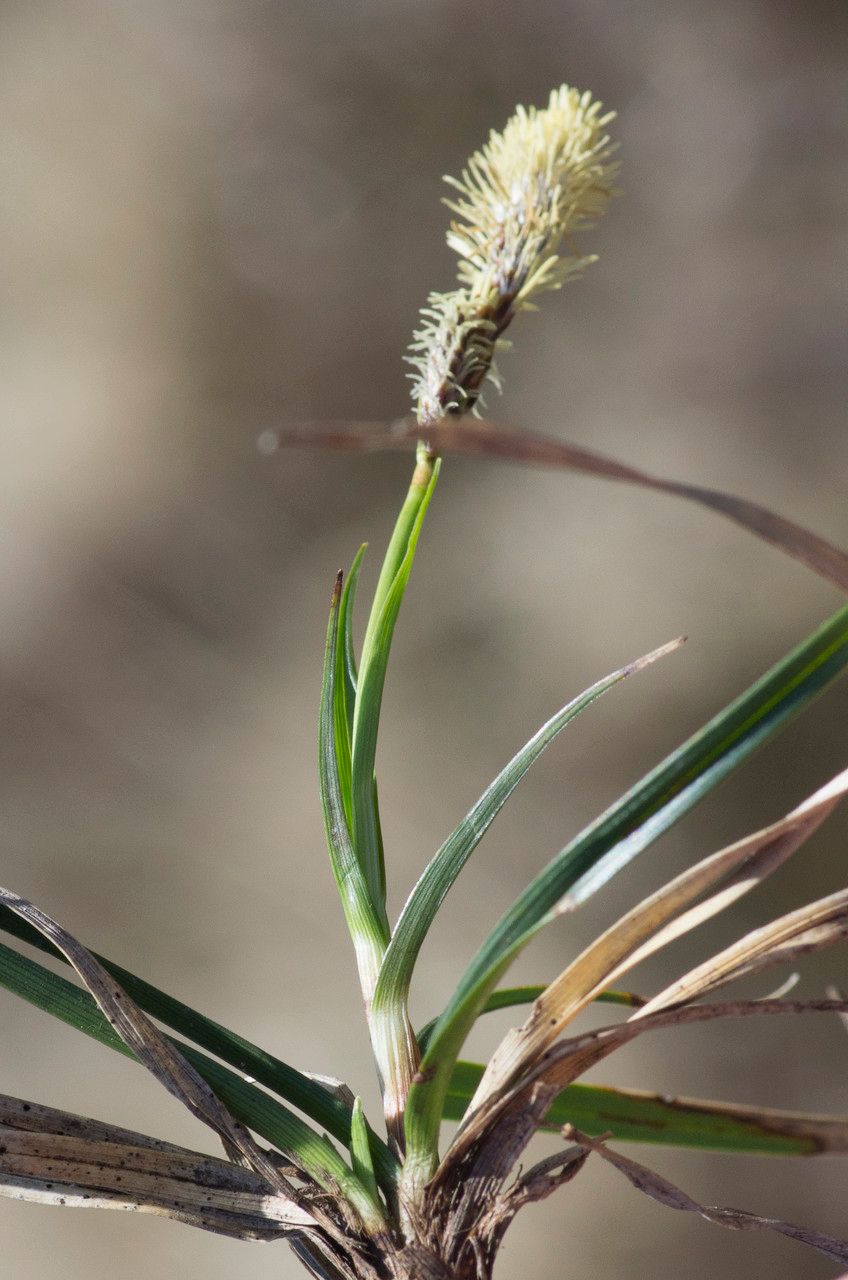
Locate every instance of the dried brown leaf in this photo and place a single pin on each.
(32, 1117)
(651, 925)
(565, 1062)
(809, 928)
(537, 1183)
(53, 1157)
(665, 1192)
(790, 953)
(477, 438)
(544, 1177)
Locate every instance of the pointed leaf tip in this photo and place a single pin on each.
(649, 659)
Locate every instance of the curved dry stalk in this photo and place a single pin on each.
(652, 925)
(477, 438)
(569, 1059)
(665, 1192)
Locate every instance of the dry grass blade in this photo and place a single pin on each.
(52, 1157)
(563, 1063)
(539, 1182)
(477, 438)
(153, 1050)
(816, 925)
(545, 1177)
(646, 928)
(665, 1192)
(789, 953)
(33, 1117)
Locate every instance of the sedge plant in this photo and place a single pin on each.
(386, 1197)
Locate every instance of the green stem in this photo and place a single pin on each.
(366, 823)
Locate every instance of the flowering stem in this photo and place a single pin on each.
(365, 811)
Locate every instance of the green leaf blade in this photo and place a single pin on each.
(392, 1038)
(344, 696)
(365, 926)
(444, 868)
(634, 1116)
(360, 1150)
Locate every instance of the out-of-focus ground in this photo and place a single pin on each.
(217, 217)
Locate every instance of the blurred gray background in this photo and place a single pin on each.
(218, 217)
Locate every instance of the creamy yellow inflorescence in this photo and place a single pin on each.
(548, 174)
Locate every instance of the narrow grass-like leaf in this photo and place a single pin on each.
(360, 1150)
(631, 1115)
(309, 1095)
(372, 674)
(346, 624)
(444, 868)
(364, 926)
(344, 698)
(608, 844)
(563, 1063)
(165, 1061)
(153, 1050)
(512, 997)
(248, 1104)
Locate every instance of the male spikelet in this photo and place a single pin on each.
(546, 175)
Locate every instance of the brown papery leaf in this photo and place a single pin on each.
(152, 1049)
(477, 438)
(53, 1157)
(789, 953)
(816, 925)
(565, 1062)
(645, 929)
(665, 1192)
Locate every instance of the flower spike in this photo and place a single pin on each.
(548, 174)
